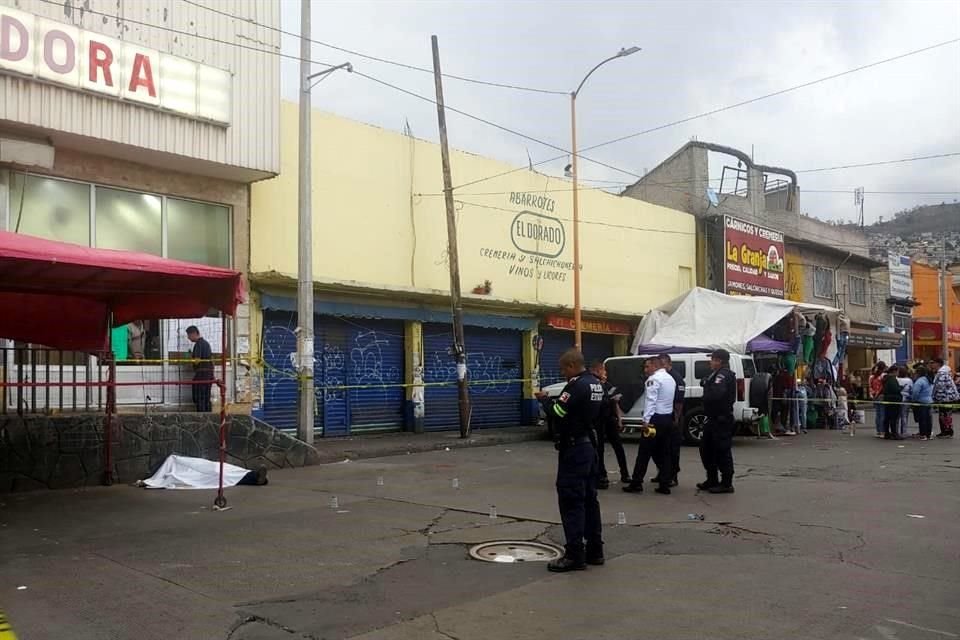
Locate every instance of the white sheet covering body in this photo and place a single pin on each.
(706, 319)
(181, 472)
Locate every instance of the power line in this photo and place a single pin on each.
(367, 56)
(882, 162)
(492, 124)
(152, 25)
(593, 222)
(736, 105)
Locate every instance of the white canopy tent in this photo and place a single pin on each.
(707, 320)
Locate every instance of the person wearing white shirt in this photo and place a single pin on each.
(659, 394)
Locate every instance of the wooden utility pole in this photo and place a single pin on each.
(459, 348)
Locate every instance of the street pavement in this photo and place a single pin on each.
(827, 537)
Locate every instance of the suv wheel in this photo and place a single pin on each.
(693, 426)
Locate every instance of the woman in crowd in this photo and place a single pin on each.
(944, 392)
(922, 398)
(890, 394)
(906, 389)
(875, 387)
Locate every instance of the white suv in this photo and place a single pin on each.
(627, 375)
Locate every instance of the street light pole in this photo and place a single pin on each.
(304, 364)
(577, 329)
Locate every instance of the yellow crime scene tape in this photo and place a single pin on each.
(6, 631)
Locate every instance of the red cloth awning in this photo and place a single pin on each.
(61, 295)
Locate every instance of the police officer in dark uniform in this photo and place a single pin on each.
(719, 394)
(608, 427)
(575, 413)
(676, 436)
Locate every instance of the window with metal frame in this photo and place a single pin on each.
(857, 293)
(823, 283)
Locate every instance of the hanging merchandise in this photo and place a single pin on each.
(808, 339)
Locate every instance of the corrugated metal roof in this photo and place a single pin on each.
(252, 140)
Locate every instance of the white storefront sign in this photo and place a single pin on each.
(87, 61)
(901, 279)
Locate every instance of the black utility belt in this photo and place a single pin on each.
(572, 440)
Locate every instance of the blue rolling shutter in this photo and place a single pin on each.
(493, 355)
(596, 346)
(358, 352)
(279, 375)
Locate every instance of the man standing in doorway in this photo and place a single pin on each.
(202, 370)
(576, 412)
(660, 392)
(719, 394)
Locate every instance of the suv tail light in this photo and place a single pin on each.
(741, 389)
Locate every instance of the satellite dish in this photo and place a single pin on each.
(712, 197)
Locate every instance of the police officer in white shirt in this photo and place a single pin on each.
(657, 431)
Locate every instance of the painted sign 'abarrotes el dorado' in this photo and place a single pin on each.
(83, 60)
(753, 259)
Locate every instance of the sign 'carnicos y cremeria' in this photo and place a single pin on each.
(535, 233)
(63, 54)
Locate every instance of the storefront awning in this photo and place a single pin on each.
(63, 295)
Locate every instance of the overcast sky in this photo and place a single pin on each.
(697, 56)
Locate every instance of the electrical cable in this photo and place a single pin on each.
(367, 56)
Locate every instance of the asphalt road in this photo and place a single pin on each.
(827, 537)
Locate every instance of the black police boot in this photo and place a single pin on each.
(569, 562)
(624, 478)
(595, 555)
(633, 488)
(723, 488)
(676, 481)
(664, 489)
(708, 484)
(603, 483)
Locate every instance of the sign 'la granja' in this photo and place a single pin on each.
(65, 55)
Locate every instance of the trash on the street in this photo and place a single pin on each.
(695, 516)
(456, 483)
(915, 515)
(22, 588)
(379, 481)
(334, 503)
(621, 517)
(493, 512)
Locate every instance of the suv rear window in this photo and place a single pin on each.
(749, 369)
(701, 369)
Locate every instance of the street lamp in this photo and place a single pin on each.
(305, 393)
(576, 201)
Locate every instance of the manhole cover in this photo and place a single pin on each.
(513, 551)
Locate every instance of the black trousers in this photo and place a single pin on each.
(201, 395)
(716, 449)
(924, 420)
(610, 433)
(659, 448)
(577, 499)
(891, 420)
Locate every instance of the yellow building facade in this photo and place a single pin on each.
(382, 280)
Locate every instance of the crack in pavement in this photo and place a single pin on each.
(436, 626)
(251, 618)
(151, 575)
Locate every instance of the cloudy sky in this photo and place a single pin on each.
(697, 56)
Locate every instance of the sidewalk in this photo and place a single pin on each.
(398, 444)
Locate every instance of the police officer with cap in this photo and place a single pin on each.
(575, 413)
(719, 394)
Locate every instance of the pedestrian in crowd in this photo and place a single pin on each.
(843, 412)
(719, 394)
(803, 394)
(609, 427)
(202, 370)
(676, 439)
(890, 395)
(658, 428)
(944, 392)
(922, 397)
(906, 391)
(576, 412)
(875, 388)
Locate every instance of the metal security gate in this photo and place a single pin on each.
(279, 372)
(596, 346)
(368, 354)
(494, 365)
